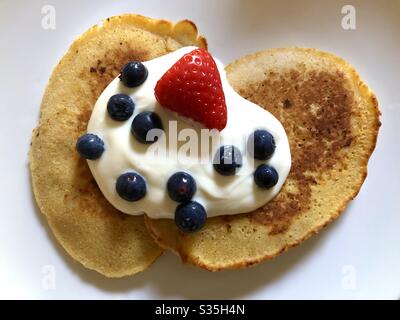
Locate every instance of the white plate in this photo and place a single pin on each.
(358, 256)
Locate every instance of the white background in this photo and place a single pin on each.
(358, 256)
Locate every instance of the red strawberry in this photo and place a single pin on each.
(192, 88)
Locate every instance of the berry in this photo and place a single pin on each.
(227, 160)
(192, 87)
(120, 107)
(133, 74)
(181, 187)
(131, 186)
(266, 176)
(143, 123)
(190, 216)
(261, 144)
(90, 146)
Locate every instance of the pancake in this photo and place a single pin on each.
(85, 224)
(332, 121)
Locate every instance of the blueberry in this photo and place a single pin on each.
(227, 160)
(181, 187)
(143, 123)
(90, 146)
(266, 176)
(190, 216)
(120, 107)
(133, 74)
(261, 144)
(131, 186)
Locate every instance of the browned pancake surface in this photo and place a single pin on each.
(86, 225)
(331, 119)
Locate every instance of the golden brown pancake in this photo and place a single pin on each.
(85, 224)
(332, 121)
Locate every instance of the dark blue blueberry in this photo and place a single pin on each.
(181, 187)
(120, 107)
(261, 145)
(90, 146)
(131, 186)
(190, 216)
(143, 123)
(133, 74)
(266, 176)
(227, 160)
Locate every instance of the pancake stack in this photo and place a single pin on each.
(330, 116)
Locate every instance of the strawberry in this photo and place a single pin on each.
(192, 87)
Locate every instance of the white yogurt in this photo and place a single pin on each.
(220, 195)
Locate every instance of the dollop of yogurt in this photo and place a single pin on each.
(220, 195)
